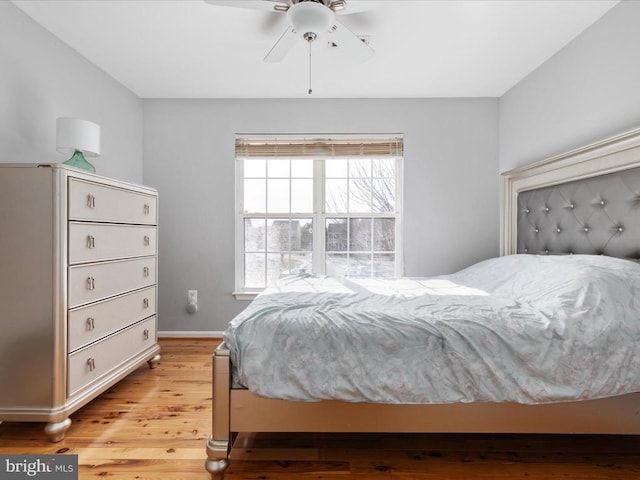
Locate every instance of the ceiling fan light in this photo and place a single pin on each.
(313, 17)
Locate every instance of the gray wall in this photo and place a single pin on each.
(450, 185)
(41, 79)
(588, 91)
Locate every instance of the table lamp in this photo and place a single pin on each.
(79, 138)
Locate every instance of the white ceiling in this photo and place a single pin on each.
(424, 48)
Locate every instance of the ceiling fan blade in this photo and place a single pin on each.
(282, 46)
(359, 21)
(268, 5)
(350, 43)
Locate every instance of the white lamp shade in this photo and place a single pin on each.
(312, 17)
(75, 134)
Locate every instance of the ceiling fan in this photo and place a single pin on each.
(310, 20)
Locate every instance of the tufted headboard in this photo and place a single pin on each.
(599, 215)
(586, 201)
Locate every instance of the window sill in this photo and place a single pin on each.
(246, 296)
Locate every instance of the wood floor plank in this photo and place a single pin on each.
(154, 424)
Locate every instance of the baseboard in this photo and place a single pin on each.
(188, 334)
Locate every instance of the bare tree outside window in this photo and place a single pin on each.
(368, 187)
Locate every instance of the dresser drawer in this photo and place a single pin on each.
(97, 281)
(98, 359)
(90, 323)
(89, 242)
(103, 203)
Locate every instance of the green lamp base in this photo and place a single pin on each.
(79, 161)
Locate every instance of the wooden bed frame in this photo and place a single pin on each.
(237, 411)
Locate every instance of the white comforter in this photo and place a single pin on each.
(522, 328)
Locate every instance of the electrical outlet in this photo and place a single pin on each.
(192, 296)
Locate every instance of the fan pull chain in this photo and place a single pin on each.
(310, 90)
(310, 37)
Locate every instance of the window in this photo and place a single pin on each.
(325, 206)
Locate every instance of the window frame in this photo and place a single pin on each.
(318, 216)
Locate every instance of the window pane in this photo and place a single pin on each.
(255, 168)
(254, 229)
(384, 265)
(300, 263)
(301, 196)
(360, 265)
(301, 235)
(254, 273)
(277, 263)
(336, 196)
(384, 168)
(278, 168)
(278, 235)
(255, 196)
(360, 195)
(302, 168)
(360, 234)
(384, 195)
(384, 234)
(278, 196)
(335, 168)
(337, 264)
(336, 235)
(360, 168)
(280, 245)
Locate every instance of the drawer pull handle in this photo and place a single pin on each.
(147, 241)
(145, 334)
(91, 283)
(147, 209)
(145, 303)
(90, 324)
(145, 272)
(91, 201)
(91, 241)
(91, 364)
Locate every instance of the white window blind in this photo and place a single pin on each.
(373, 146)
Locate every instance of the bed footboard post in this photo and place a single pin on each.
(219, 443)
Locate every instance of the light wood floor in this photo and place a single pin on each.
(154, 425)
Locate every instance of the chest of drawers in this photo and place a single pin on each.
(78, 280)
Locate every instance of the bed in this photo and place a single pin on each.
(567, 214)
